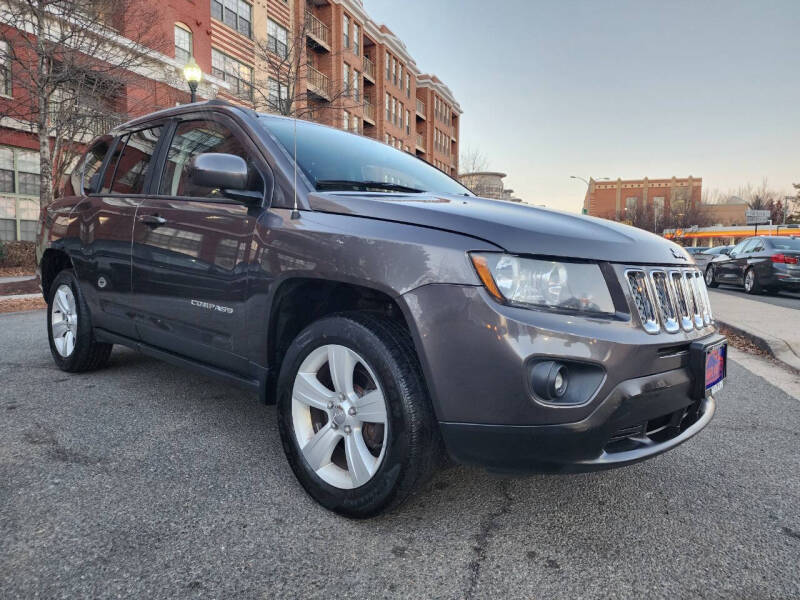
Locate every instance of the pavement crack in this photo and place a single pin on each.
(488, 527)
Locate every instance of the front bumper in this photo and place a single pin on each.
(476, 356)
(639, 420)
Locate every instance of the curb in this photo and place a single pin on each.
(20, 297)
(777, 349)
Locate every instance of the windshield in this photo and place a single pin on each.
(785, 243)
(336, 160)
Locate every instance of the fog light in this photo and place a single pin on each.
(550, 380)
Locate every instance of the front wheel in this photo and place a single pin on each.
(710, 280)
(354, 415)
(69, 328)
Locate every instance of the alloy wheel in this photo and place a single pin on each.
(339, 416)
(709, 276)
(749, 279)
(64, 321)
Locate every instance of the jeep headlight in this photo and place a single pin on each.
(528, 282)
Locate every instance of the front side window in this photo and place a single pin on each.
(236, 14)
(237, 74)
(198, 137)
(134, 161)
(277, 39)
(183, 43)
(332, 159)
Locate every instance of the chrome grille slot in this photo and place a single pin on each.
(666, 300)
(669, 299)
(643, 298)
(682, 300)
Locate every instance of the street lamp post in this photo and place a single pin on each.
(587, 183)
(193, 75)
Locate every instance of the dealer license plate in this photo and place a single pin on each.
(716, 368)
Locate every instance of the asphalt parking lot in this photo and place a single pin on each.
(785, 299)
(147, 481)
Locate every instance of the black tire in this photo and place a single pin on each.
(412, 447)
(88, 354)
(756, 287)
(710, 275)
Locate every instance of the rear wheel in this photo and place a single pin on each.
(751, 284)
(710, 281)
(354, 416)
(69, 328)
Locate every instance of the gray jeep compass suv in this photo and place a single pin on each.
(394, 317)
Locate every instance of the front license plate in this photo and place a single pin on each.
(716, 367)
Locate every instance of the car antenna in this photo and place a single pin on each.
(295, 212)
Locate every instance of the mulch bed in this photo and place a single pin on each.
(742, 343)
(16, 271)
(9, 306)
(31, 286)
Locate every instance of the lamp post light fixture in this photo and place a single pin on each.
(193, 75)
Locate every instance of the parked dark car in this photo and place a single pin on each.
(693, 250)
(391, 314)
(701, 259)
(759, 264)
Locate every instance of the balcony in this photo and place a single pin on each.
(420, 109)
(318, 84)
(318, 32)
(369, 112)
(420, 142)
(369, 70)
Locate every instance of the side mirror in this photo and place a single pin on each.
(223, 171)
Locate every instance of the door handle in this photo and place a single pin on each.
(153, 220)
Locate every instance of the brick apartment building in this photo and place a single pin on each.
(357, 75)
(613, 199)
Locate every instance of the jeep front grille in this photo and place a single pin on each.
(669, 298)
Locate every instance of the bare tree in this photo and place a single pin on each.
(472, 160)
(68, 61)
(682, 213)
(293, 86)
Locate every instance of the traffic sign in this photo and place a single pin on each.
(757, 217)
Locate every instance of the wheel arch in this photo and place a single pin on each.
(53, 261)
(297, 302)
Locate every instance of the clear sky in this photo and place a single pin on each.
(616, 88)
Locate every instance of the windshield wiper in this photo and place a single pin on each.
(346, 184)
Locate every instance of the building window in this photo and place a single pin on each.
(408, 122)
(345, 120)
(401, 76)
(399, 114)
(388, 67)
(346, 31)
(5, 68)
(394, 70)
(277, 96)
(19, 172)
(408, 84)
(356, 85)
(394, 111)
(238, 75)
(183, 43)
(236, 14)
(354, 124)
(277, 39)
(388, 107)
(346, 79)
(630, 203)
(356, 39)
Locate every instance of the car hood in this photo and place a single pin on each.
(516, 228)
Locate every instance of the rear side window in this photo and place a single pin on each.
(91, 167)
(198, 137)
(134, 161)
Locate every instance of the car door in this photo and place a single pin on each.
(115, 175)
(191, 249)
(724, 268)
(743, 260)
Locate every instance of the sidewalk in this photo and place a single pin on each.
(775, 327)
